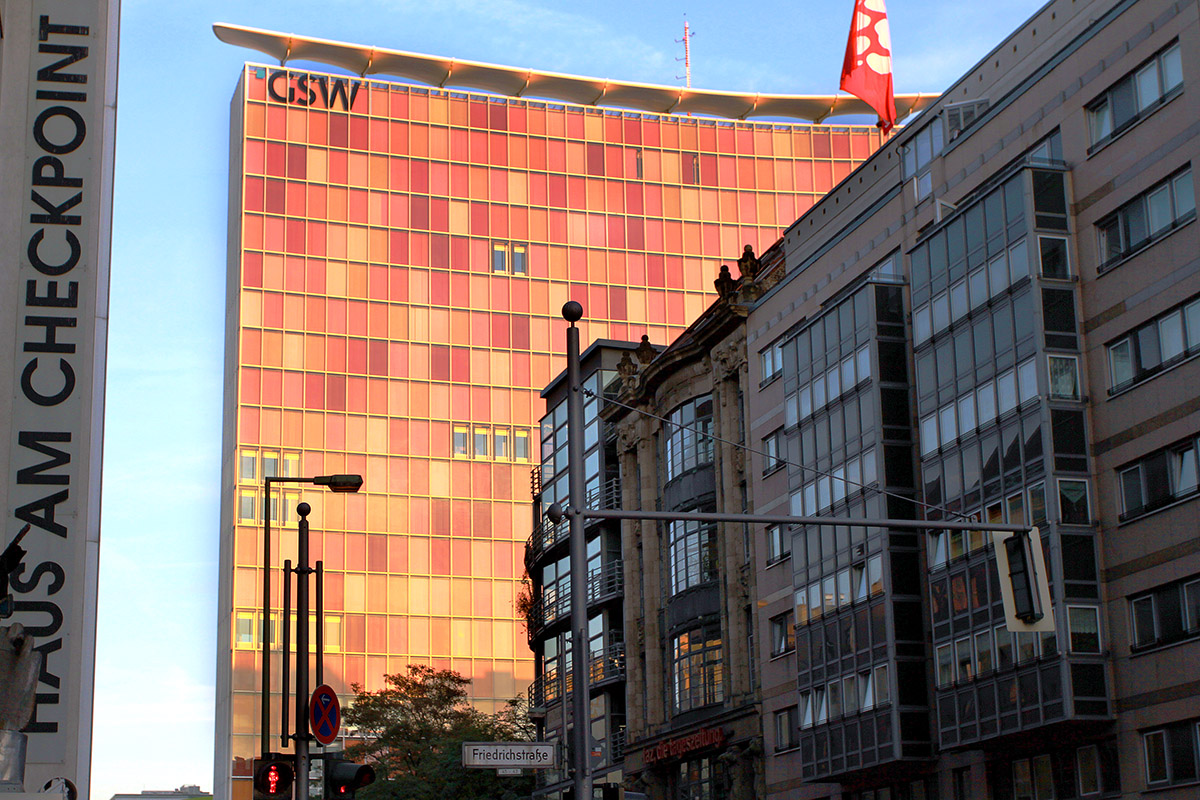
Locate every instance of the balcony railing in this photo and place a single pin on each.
(535, 481)
(544, 536)
(548, 610)
(608, 664)
(607, 495)
(618, 745)
(606, 581)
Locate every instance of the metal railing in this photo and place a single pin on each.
(606, 581)
(607, 495)
(608, 664)
(617, 751)
(543, 537)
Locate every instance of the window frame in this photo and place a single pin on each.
(1095, 615)
(779, 544)
(1161, 733)
(782, 628)
(1103, 126)
(1114, 242)
(1133, 340)
(787, 729)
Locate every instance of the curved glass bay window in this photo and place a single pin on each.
(689, 442)
(696, 669)
(693, 554)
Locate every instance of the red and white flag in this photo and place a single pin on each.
(867, 70)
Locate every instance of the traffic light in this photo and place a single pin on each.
(344, 778)
(1027, 601)
(273, 777)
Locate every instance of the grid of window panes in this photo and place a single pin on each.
(402, 263)
(992, 344)
(554, 444)
(845, 381)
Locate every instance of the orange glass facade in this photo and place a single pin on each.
(398, 266)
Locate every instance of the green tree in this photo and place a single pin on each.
(412, 733)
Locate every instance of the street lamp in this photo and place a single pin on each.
(335, 483)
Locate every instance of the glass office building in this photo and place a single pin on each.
(398, 258)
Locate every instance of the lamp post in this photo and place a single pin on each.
(336, 483)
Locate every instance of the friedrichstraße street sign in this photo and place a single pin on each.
(509, 755)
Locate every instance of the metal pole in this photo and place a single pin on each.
(301, 735)
(572, 312)
(265, 723)
(320, 623)
(285, 691)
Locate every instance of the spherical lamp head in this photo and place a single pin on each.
(572, 311)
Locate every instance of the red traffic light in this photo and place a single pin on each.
(344, 778)
(273, 778)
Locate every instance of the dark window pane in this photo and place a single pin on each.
(1123, 100)
(1068, 432)
(1058, 308)
(1002, 331)
(1054, 257)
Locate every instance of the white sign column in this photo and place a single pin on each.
(57, 124)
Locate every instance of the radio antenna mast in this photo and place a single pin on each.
(687, 54)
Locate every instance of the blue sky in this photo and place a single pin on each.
(155, 660)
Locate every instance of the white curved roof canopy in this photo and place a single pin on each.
(455, 73)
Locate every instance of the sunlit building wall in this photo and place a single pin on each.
(398, 259)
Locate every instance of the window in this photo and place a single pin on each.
(772, 362)
(787, 729)
(247, 500)
(1142, 613)
(481, 442)
(499, 257)
(1053, 257)
(1064, 377)
(245, 633)
(500, 443)
(783, 634)
(1073, 505)
(1145, 218)
(270, 464)
(959, 116)
(291, 465)
(520, 445)
(1166, 614)
(1033, 779)
(1170, 753)
(1154, 346)
(461, 433)
(1155, 746)
(918, 155)
(1135, 95)
(1159, 479)
(1083, 623)
(693, 554)
(519, 266)
(945, 665)
(247, 466)
(699, 779)
(689, 441)
(773, 447)
(696, 669)
(779, 543)
(1087, 768)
